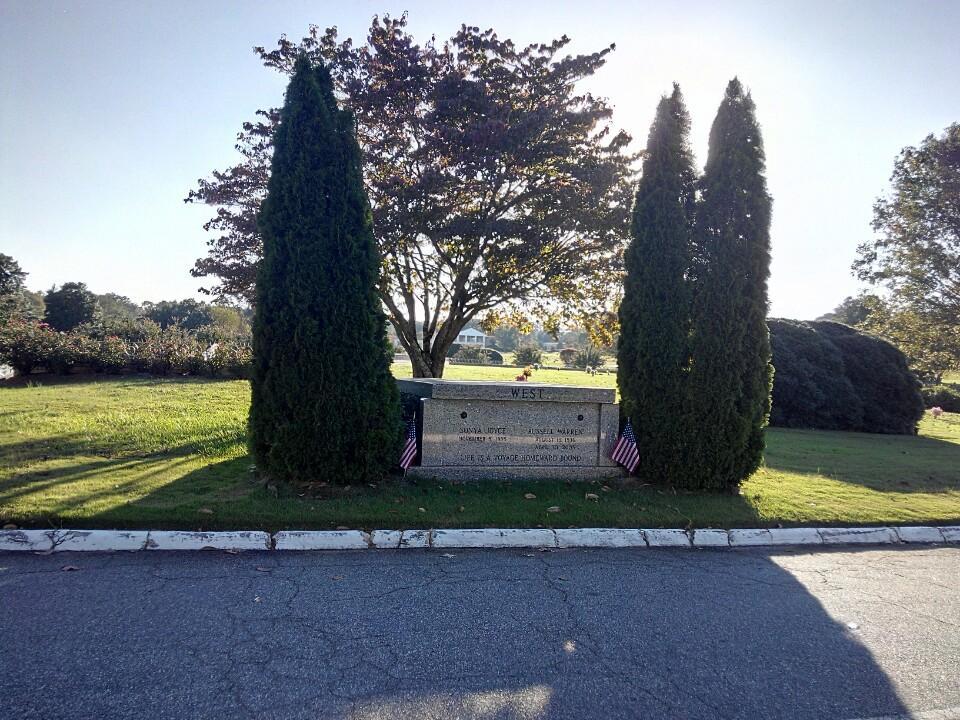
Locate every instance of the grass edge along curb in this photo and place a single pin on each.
(49, 541)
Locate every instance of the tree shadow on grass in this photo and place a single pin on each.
(888, 463)
(153, 491)
(212, 443)
(179, 489)
(122, 380)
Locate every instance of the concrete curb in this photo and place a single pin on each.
(48, 541)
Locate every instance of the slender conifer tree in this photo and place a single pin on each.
(653, 352)
(324, 403)
(728, 394)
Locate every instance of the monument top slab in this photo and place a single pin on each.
(504, 390)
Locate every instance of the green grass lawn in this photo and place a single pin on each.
(169, 453)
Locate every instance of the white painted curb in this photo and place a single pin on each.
(667, 538)
(99, 540)
(46, 541)
(26, 540)
(709, 537)
(919, 534)
(396, 539)
(858, 536)
(599, 537)
(321, 540)
(184, 540)
(951, 533)
(753, 537)
(494, 538)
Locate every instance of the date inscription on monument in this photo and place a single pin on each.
(485, 433)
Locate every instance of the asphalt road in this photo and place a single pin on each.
(482, 634)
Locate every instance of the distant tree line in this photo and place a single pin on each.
(914, 260)
(73, 305)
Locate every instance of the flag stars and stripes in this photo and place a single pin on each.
(409, 453)
(626, 452)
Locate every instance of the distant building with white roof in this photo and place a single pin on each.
(472, 336)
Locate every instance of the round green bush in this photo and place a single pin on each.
(567, 356)
(810, 385)
(833, 377)
(477, 355)
(890, 392)
(528, 355)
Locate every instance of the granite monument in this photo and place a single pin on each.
(482, 430)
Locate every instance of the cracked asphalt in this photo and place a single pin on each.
(633, 633)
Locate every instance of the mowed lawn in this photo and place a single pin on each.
(169, 453)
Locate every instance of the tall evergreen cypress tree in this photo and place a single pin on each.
(653, 352)
(728, 393)
(324, 402)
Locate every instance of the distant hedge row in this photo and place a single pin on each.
(27, 346)
(833, 377)
(946, 397)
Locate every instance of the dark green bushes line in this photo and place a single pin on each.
(946, 397)
(833, 377)
(139, 347)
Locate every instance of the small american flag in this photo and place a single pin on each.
(410, 447)
(626, 452)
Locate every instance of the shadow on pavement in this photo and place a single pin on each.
(430, 634)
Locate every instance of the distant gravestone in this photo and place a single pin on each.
(471, 430)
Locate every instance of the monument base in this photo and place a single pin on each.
(514, 472)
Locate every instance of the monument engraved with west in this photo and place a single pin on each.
(481, 430)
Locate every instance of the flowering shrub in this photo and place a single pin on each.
(231, 359)
(28, 346)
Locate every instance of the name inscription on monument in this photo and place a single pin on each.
(481, 432)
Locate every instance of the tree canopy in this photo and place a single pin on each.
(189, 314)
(70, 305)
(493, 180)
(915, 254)
(12, 276)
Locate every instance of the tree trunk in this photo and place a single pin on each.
(429, 365)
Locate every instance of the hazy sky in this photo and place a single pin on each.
(110, 111)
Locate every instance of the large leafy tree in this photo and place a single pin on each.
(915, 253)
(324, 404)
(70, 305)
(653, 352)
(12, 276)
(116, 307)
(493, 180)
(932, 348)
(728, 392)
(189, 314)
(853, 310)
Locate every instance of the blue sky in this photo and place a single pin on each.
(110, 111)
